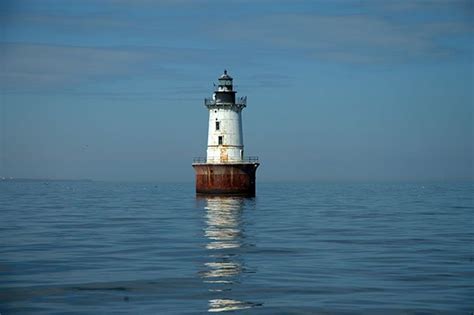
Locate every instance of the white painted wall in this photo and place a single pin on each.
(230, 119)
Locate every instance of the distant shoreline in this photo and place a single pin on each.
(42, 180)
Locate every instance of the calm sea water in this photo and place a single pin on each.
(297, 248)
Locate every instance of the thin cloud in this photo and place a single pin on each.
(38, 66)
(351, 38)
(35, 68)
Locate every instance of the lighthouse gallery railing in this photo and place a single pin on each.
(248, 159)
(241, 100)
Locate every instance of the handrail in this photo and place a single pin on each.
(204, 160)
(239, 101)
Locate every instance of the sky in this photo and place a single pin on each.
(337, 90)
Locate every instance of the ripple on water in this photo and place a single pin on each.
(300, 248)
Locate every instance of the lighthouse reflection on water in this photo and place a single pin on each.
(226, 243)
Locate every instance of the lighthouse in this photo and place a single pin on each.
(225, 170)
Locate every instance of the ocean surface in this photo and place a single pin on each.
(296, 248)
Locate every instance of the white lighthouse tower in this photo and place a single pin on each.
(225, 140)
(225, 170)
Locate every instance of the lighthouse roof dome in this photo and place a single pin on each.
(225, 76)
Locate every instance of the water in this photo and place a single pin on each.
(299, 248)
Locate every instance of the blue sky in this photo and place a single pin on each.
(337, 90)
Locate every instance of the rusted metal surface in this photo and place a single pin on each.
(224, 155)
(226, 179)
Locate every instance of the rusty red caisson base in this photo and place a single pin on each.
(225, 170)
(226, 179)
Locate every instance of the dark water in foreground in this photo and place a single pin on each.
(96, 247)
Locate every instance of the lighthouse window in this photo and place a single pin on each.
(220, 140)
(218, 125)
